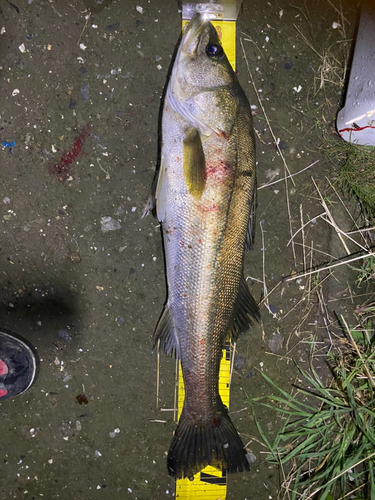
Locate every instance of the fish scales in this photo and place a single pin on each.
(204, 199)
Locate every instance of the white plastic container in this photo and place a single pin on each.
(356, 121)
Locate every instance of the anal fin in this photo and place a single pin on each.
(165, 333)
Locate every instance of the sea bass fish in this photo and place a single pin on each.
(205, 202)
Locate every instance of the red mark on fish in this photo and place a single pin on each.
(61, 170)
(218, 169)
(223, 134)
(213, 207)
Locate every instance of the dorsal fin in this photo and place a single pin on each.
(245, 311)
(251, 226)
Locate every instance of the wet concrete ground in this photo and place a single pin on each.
(90, 87)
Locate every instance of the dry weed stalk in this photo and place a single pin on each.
(330, 69)
(286, 168)
(327, 216)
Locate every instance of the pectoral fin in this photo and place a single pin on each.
(194, 163)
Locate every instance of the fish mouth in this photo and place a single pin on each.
(198, 32)
(192, 35)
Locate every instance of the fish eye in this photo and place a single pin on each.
(214, 50)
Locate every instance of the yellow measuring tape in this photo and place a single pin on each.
(210, 483)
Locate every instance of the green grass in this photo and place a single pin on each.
(357, 173)
(367, 271)
(367, 310)
(326, 445)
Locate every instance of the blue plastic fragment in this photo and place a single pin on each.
(85, 92)
(9, 145)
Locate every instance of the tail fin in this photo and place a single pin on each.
(194, 446)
